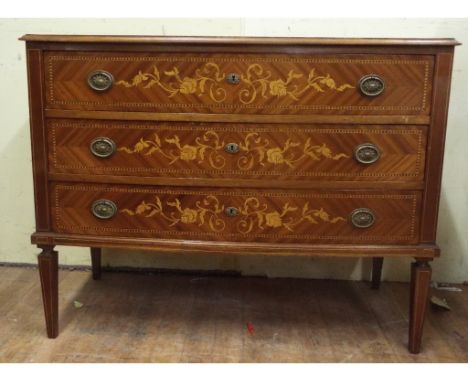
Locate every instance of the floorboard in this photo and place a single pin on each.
(134, 317)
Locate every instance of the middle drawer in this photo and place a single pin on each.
(233, 151)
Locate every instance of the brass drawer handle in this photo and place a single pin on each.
(231, 211)
(362, 218)
(102, 147)
(104, 209)
(367, 153)
(372, 85)
(100, 80)
(233, 78)
(231, 148)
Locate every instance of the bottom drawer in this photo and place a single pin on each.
(237, 215)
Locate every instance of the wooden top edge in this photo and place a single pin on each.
(241, 40)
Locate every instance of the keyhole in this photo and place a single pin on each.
(232, 148)
(233, 78)
(231, 211)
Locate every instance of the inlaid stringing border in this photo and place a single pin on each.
(426, 63)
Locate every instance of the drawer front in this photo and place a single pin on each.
(228, 151)
(237, 215)
(240, 83)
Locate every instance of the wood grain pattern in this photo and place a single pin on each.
(420, 280)
(268, 85)
(269, 152)
(38, 138)
(197, 317)
(48, 272)
(242, 118)
(176, 246)
(435, 148)
(273, 183)
(241, 40)
(309, 217)
(296, 114)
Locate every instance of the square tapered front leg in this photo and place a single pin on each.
(420, 279)
(48, 272)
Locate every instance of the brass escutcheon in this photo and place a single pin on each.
(233, 78)
(231, 211)
(231, 148)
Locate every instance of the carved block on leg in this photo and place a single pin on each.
(377, 263)
(48, 272)
(420, 280)
(96, 262)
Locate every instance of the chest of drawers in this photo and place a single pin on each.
(275, 146)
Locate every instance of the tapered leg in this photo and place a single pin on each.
(48, 272)
(377, 263)
(420, 279)
(96, 262)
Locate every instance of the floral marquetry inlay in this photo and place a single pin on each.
(206, 147)
(206, 212)
(254, 149)
(259, 81)
(259, 150)
(256, 214)
(254, 83)
(205, 81)
(253, 215)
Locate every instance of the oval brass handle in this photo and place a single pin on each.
(362, 218)
(102, 147)
(367, 153)
(231, 148)
(233, 78)
(231, 211)
(100, 80)
(371, 85)
(104, 209)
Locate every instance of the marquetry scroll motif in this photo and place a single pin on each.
(206, 211)
(205, 81)
(256, 214)
(258, 150)
(252, 213)
(206, 147)
(255, 149)
(259, 82)
(255, 82)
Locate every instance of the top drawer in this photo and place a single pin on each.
(240, 83)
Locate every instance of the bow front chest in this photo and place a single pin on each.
(275, 146)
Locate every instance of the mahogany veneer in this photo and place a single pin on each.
(271, 84)
(278, 146)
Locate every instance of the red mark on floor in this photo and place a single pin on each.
(250, 328)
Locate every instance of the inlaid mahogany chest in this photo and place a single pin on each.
(291, 146)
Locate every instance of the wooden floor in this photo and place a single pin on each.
(129, 317)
